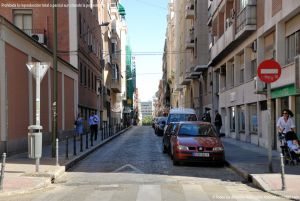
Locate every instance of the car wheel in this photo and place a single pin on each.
(164, 149)
(175, 162)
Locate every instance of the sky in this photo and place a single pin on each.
(147, 22)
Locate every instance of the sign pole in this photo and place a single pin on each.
(269, 71)
(270, 124)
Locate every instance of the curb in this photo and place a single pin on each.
(45, 183)
(256, 181)
(240, 171)
(75, 160)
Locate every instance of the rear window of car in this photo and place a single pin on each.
(197, 130)
(182, 117)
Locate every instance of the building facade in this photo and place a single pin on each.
(239, 35)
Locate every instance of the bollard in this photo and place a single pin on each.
(74, 145)
(2, 171)
(81, 144)
(282, 172)
(86, 140)
(57, 152)
(67, 147)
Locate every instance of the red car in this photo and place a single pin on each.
(196, 141)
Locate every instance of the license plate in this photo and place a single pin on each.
(201, 154)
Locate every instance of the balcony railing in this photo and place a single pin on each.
(190, 39)
(189, 11)
(246, 19)
(116, 85)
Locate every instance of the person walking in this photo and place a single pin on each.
(218, 122)
(96, 120)
(79, 125)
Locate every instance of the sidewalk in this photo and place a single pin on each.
(20, 176)
(251, 162)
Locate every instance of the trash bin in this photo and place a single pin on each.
(35, 141)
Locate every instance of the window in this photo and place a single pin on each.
(253, 68)
(95, 83)
(232, 118)
(292, 46)
(242, 68)
(242, 118)
(253, 118)
(115, 72)
(89, 78)
(231, 74)
(243, 4)
(84, 75)
(23, 20)
(81, 74)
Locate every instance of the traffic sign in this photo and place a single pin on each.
(269, 71)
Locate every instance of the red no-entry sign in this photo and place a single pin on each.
(269, 71)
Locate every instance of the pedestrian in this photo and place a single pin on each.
(218, 122)
(285, 123)
(206, 116)
(93, 122)
(79, 125)
(96, 123)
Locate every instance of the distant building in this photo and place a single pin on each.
(146, 108)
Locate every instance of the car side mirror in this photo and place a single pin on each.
(222, 135)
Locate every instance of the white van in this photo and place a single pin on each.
(181, 114)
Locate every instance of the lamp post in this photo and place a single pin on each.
(38, 70)
(54, 104)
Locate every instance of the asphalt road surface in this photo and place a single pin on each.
(133, 167)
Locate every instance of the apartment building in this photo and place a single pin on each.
(146, 109)
(243, 33)
(86, 44)
(17, 88)
(219, 66)
(186, 55)
(114, 79)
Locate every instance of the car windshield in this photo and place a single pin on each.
(182, 117)
(196, 130)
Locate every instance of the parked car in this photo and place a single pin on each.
(154, 122)
(181, 114)
(196, 142)
(160, 125)
(166, 145)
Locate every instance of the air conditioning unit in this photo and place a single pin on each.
(38, 37)
(254, 46)
(259, 86)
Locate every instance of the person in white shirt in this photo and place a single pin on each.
(285, 123)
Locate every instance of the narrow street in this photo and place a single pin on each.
(133, 167)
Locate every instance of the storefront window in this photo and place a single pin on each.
(242, 118)
(253, 118)
(297, 115)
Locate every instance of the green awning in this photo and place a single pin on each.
(121, 10)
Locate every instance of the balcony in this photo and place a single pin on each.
(246, 21)
(114, 58)
(194, 74)
(190, 11)
(115, 85)
(190, 40)
(185, 79)
(37, 34)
